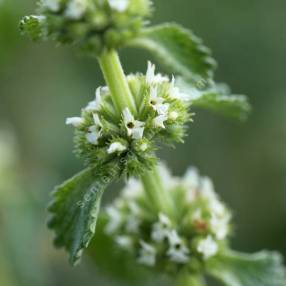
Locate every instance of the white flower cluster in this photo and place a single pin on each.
(160, 105)
(194, 235)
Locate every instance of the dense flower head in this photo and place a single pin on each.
(102, 134)
(197, 231)
(88, 24)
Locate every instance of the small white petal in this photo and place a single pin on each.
(116, 147)
(124, 241)
(76, 9)
(179, 254)
(174, 238)
(176, 93)
(207, 189)
(150, 74)
(115, 220)
(191, 182)
(96, 120)
(95, 105)
(161, 229)
(219, 227)
(207, 247)
(74, 121)
(159, 121)
(151, 78)
(92, 138)
(133, 189)
(147, 254)
(137, 133)
(163, 109)
(52, 5)
(119, 5)
(132, 225)
(127, 116)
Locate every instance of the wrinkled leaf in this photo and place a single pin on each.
(217, 98)
(75, 207)
(179, 50)
(239, 269)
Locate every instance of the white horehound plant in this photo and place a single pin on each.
(179, 227)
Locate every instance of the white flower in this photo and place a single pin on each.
(132, 190)
(217, 208)
(207, 189)
(161, 229)
(133, 224)
(219, 227)
(76, 9)
(151, 78)
(115, 220)
(177, 252)
(119, 5)
(135, 128)
(168, 180)
(174, 238)
(94, 131)
(176, 93)
(163, 109)
(207, 247)
(159, 121)
(116, 147)
(155, 100)
(147, 255)
(75, 121)
(52, 5)
(124, 241)
(96, 103)
(191, 181)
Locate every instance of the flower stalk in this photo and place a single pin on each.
(116, 81)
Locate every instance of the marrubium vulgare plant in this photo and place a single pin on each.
(175, 226)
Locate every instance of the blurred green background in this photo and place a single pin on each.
(41, 85)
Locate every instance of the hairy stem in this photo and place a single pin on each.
(122, 98)
(156, 192)
(116, 81)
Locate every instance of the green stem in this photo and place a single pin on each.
(187, 279)
(122, 98)
(156, 192)
(116, 81)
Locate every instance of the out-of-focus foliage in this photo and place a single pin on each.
(40, 86)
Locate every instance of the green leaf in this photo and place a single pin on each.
(179, 50)
(219, 99)
(75, 207)
(239, 269)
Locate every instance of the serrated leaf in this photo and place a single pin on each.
(74, 210)
(239, 269)
(179, 50)
(217, 98)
